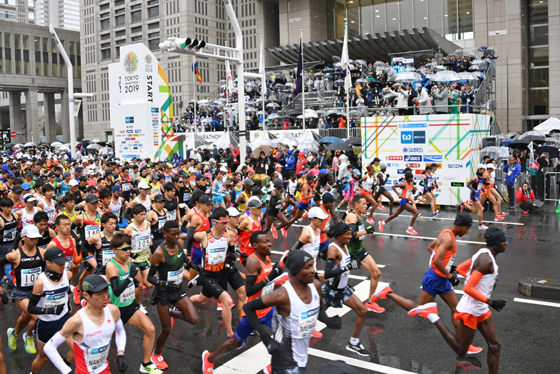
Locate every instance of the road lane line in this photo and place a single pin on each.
(536, 302)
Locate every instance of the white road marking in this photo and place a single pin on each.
(255, 359)
(281, 253)
(536, 302)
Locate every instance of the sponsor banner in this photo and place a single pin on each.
(394, 158)
(433, 158)
(410, 158)
(413, 166)
(279, 133)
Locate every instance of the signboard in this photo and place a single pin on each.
(141, 105)
(5, 136)
(451, 142)
(279, 133)
(13, 134)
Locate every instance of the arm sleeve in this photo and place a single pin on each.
(118, 289)
(3, 261)
(152, 275)
(184, 227)
(120, 336)
(190, 238)
(32, 307)
(51, 351)
(469, 287)
(297, 245)
(464, 267)
(354, 229)
(250, 287)
(470, 186)
(250, 312)
(329, 272)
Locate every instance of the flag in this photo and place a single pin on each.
(262, 71)
(229, 78)
(345, 64)
(531, 154)
(195, 70)
(299, 74)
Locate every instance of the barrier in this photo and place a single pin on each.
(551, 186)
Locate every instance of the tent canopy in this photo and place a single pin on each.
(193, 141)
(265, 135)
(549, 125)
(309, 135)
(225, 140)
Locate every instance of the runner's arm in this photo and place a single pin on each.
(253, 268)
(73, 325)
(464, 267)
(445, 244)
(482, 266)
(277, 298)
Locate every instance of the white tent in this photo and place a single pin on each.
(265, 135)
(309, 135)
(193, 141)
(225, 140)
(549, 125)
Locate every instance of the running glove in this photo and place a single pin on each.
(370, 230)
(121, 364)
(133, 270)
(498, 305)
(354, 264)
(454, 280)
(88, 266)
(276, 272)
(273, 347)
(5, 299)
(56, 310)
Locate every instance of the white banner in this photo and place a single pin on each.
(77, 104)
(279, 133)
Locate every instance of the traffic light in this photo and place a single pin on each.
(195, 44)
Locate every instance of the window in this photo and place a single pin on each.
(105, 54)
(119, 11)
(538, 56)
(105, 24)
(120, 33)
(120, 42)
(104, 7)
(154, 25)
(153, 44)
(105, 36)
(153, 35)
(119, 2)
(136, 38)
(153, 12)
(136, 29)
(136, 16)
(120, 20)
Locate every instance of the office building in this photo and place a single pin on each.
(22, 11)
(64, 14)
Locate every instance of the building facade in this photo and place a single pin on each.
(107, 25)
(64, 14)
(22, 11)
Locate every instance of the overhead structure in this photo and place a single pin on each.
(224, 141)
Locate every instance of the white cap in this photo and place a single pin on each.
(143, 185)
(481, 166)
(224, 169)
(212, 160)
(317, 212)
(73, 182)
(31, 231)
(29, 197)
(233, 212)
(490, 166)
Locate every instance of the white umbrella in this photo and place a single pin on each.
(262, 148)
(446, 76)
(30, 144)
(408, 76)
(106, 151)
(56, 144)
(64, 148)
(309, 135)
(308, 145)
(203, 102)
(18, 145)
(290, 141)
(467, 76)
(96, 140)
(93, 146)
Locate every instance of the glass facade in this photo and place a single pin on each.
(450, 18)
(538, 58)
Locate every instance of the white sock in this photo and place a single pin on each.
(433, 317)
(354, 341)
(410, 228)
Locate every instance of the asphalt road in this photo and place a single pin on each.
(528, 332)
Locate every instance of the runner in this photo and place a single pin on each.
(67, 243)
(328, 207)
(368, 182)
(475, 204)
(157, 218)
(305, 202)
(248, 226)
(41, 220)
(49, 205)
(310, 238)
(216, 271)
(278, 203)
(29, 210)
(200, 222)
(121, 275)
(408, 189)
(428, 194)
(49, 302)
(143, 197)
(99, 245)
(355, 220)
(298, 306)
(171, 203)
(91, 329)
(380, 190)
(117, 203)
(167, 262)
(28, 263)
(486, 193)
(491, 168)
(473, 312)
(244, 196)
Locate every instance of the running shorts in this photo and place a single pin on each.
(166, 296)
(47, 329)
(324, 249)
(336, 297)
(303, 206)
(21, 294)
(365, 193)
(472, 321)
(273, 212)
(434, 284)
(244, 329)
(196, 255)
(128, 311)
(404, 202)
(215, 283)
(144, 265)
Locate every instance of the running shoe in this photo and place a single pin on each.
(474, 350)
(381, 225)
(373, 307)
(193, 282)
(499, 218)
(150, 369)
(29, 344)
(465, 362)
(83, 303)
(172, 318)
(381, 207)
(77, 296)
(502, 213)
(357, 348)
(219, 306)
(207, 367)
(482, 226)
(525, 213)
(12, 340)
(336, 210)
(317, 334)
(411, 231)
(381, 294)
(370, 220)
(284, 232)
(436, 214)
(159, 361)
(424, 310)
(268, 369)
(274, 233)
(143, 309)
(304, 216)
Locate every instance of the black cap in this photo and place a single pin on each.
(55, 255)
(28, 172)
(309, 176)
(83, 178)
(254, 204)
(91, 199)
(248, 182)
(256, 191)
(205, 199)
(94, 283)
(327, 198)
(17, 189)
(159, 198)
(494, 236)
(278, 182)
(463, 219)
(108, 172)
(201, 177)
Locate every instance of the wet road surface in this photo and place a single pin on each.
(528, 332)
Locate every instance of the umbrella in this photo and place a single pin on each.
(290, 141)
(308, 145)
(272, 105)
(533, 135)
(64, 148)
(445, 76)
(30, 144)
(203, 102)
(319, 74)
(361, 62)
(56, 144)
(361, 80)
(328, 76)
(273, 116)
(336, 58)
(339, 82)
(379, 64)
(328, 70)
(290, 84)
(309, 135)
(354, 141)
(552, 151)
(467, 76)
(8, 145)
(224, 141)
(96, 140)
(94, 146)
(106, 151)
(262, 148)
(339, 147)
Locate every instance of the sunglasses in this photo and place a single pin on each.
(223, 222)
(127, 248)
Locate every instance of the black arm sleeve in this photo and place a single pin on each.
(152, 275)
(250, 287)
(190, 239)
(231, 249)
(32, 308)
(354, 229)
(184, 227)
(329, 272)
(297, 245)
(470, 186)
(3, 261)
(250, 312)
(118, 289)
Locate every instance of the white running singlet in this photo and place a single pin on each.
(91, 353)
(52, 296)
(313, 247)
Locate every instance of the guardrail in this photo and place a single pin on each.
(551, 186)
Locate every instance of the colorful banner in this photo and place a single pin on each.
(450, 141)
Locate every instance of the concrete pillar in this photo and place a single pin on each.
(50, 118)
(32, 114)
(16, 115)
(65, 121)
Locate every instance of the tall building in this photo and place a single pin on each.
(107, 25)
(64, 14)
(22, 11)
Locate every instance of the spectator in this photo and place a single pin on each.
(423, 100)
(453, 100)
(543, 162)
(441, 98)
(290, 164)
(402, 99)
(525, 198)
(512, 170)
(467, 98)
(410, 100)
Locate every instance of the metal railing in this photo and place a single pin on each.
(551, 185)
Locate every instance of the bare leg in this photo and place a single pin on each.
(388, 195)
(369, 264)
(355, 304)
(228, 346)
(241, 300)
(414, 212)
(459, 346)
(394, 215)
(488, 329)
(144, 323)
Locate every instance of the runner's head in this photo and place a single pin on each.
(6, 205)
(328, 201)
(159, 201)
(300, 264)
(105, 196)
(220, 217)
(462, 224)
(234, 216)
(496, 240)
(56, 262)
(409, 177)
(205, 203)
(48, 190)
(41, 220)
(171, 232)
(62, 223)
(261, 243)
(73, 186)
(144, 188)
(317, 216)
(169, 190)
(248, 184)
(139, 213)
(92, 202)
(116, 190)
(359, 203)
(109, 222)
(121, 244)
(278, 184)
(95, 291)
(68, 201)
(254, 206)
(341, 232)
(29, 200)
(31, 236)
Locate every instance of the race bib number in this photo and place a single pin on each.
(307, 321)
(172, 216)
(175, 277)
(186, 196)
(142, 242)
(128, 293)
(216, 255)
(96, 357)
(51, 214)
(10, 234)
(52, 301)
(161, 222)
(156, 192)
(126, 187)
(68, 263)
(29, 276)
(268, 288)
(361, 228)
(106, 256)
(92, 230)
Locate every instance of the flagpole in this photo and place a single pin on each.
(227, 94)
(303, 83)
(347, 91)
(195, 101)
(263, 83)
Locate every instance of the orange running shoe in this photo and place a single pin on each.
(77, 296)
(382, 294)
(317, 334)
(207, 367)
(268, 369)
(381, 207)
(411, 231)
(159, 361)
(381, 225)
(424, 310)
(274, 233)
(370, 220)
(474, 350)
(373, 307)
(284, 232)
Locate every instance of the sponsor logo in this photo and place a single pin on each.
(130, 62)
(122, 132)
(438, 165)
(457, 184)
(413, 166)
(400, 171)
(412, 125)
(419, 137)
(412, 150)
(418, 171)
(455, 166)
(137, 130)
(406, 137)
(126, 138)
(155, 110)
(394, 158)
(413, 158)
(129, 120)
(393, 165)
(129, 131)
(129, 127)
(433, 158)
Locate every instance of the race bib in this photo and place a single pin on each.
(106, 256)
(68, 263)
(29, 276)
(142, 242)
(216, 255)
(156, 192)
(51, 214)
(126, 187)
(172, 216)
(307, 321)
(268, 288)
(128, 293)
(175, 277)
(96, 357)
(10, 234)
(450, 263)
(92, 230)
(186, 196)
(52, 301)
(161, 222)
(361, 228)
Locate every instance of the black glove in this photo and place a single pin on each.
(354, 264)
(453, 269)
(242, 255)
(334, 322)
(133, 255)
(454, 280)
(136, 282)
(5, 299)
(276, 272)
(88, 266)
(498, 305)
(370, 229)
(273, 347)
(134, 270)
(230, 257)
(121, 364)
(56, 310)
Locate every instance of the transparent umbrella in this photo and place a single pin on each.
(93, 146)
(106, 151)
(446, 76)
(308, 145)
(96, 140)
(56, 144)
(467, 76)
(290, 141)
(29, 144)
(408, 76)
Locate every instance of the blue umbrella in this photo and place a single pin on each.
(215, 123)
(331, 140)
(339, 82)
(328, 70)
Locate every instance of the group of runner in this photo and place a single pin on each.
(65, 246)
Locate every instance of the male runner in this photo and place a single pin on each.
(168, 262)
(355, 220)
(200, 222)
(99, 245)
(305, 202)
(91, 330)
(67, 243)
(473, 310)
(250, 225)
(143, 197)
(328, 207)
(278, 203)
(244, 196)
